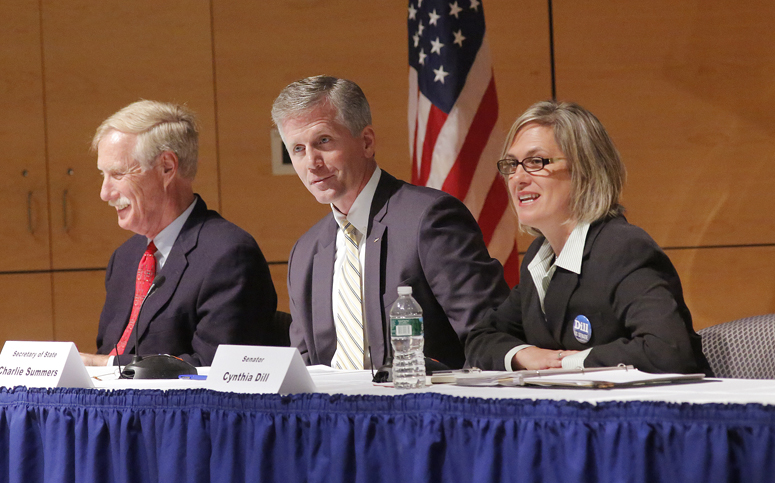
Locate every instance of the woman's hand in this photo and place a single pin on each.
(534, 358)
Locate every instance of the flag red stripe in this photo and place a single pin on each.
(470, 132)
(459, 179)
(415, 173)
(436, 119)
(494, 206)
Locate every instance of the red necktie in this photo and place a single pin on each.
(146, 272)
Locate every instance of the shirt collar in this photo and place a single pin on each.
(571, 255)
(361, 207)
(573, 251)
(166, 238)
(542, 258)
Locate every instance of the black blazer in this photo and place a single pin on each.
(417, 236)
(629, 291)
(218, 290)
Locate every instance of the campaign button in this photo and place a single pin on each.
(582, 329)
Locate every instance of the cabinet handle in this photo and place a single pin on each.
(29, 212)
(64, 211)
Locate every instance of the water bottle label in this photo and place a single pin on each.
(406, 327)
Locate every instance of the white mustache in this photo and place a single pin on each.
(123, 202)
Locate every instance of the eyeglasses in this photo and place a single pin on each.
(508, 166)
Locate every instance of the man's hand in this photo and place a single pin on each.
(94, 359)
(533, 358)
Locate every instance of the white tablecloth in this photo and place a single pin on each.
(330, 381)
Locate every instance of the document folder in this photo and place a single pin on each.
(592, 378)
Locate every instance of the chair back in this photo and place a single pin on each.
(282, 324)
(741, 349)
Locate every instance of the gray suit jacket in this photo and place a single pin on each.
(417, 236)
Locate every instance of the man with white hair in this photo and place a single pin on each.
(212, 282)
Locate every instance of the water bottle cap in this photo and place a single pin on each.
(404, 290)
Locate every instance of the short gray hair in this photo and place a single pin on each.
(597, 171)
(160, 126)
(302, 96)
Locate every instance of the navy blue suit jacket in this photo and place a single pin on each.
(629, 291)
(217, 290)
(417, 236)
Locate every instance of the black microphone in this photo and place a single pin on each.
(388, 356)
(157, 282)
(160, 366)
(385, 373)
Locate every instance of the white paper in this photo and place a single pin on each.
(617, 377)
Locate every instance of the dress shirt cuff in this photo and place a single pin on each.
(110, 360)
(576, 361)
(510, 355)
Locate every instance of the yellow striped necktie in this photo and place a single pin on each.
(348, 318)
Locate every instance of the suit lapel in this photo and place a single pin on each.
(556, 300)
(373, 288)
(323, 329)
(535, 320)
(173, 269)
(562, 286)
(374, 271)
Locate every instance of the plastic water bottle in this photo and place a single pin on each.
(406, 335)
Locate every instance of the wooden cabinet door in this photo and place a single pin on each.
(26, 307)
(23, 195)
(99, 57)
(78, 299)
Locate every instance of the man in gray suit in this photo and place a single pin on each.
(343, 281)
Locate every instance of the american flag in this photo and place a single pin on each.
(453, 109)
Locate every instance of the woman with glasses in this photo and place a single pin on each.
(594, 290)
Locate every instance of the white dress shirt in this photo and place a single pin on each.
(358, 216)
(166, 238)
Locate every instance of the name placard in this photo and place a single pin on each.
(42, 364)
(259, 369)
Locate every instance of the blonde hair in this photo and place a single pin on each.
(597, 171)
(160, 126)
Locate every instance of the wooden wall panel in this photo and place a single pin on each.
(685, 89)
(78, 299)
(23, 195)
(723, 284)
(518, 32)
(260, 48)
(519, 39)
(26, 307)
(279, 273)
(98, 58)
